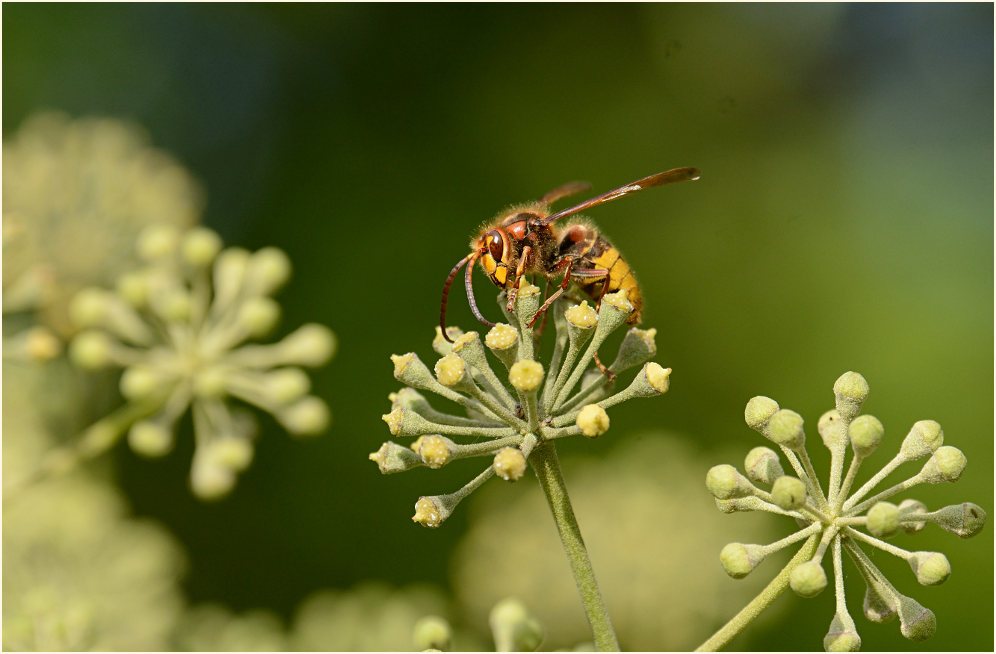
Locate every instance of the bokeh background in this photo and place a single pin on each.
(844, 221)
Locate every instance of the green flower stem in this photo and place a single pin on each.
(92, 442)
(547, 468)
(770, 593)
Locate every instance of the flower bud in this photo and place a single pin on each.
(739, 559)
(141, 381)
(724, 482)
(391, 458)
(785, 429)
(232, 452)
(513, 628)
(883, 520)
(878, 605)
(211, 382)
(450, 370)
(310, 345)
(618, 301)
(433, 632)
(925, 437)
(210, 481)
(946, 464)
(581, 316)
(149, 438)
(157, 241)
(637, 348)
(526, 375)
(842, 636)
(866, 433)
(593, 421)
(434, 449)
(965, 520)
(808, 579)
(89, 307)
(501, 337)
(789, 493)
(259, 315)
(907, 509)
(287, 385)
(510, 464)
(91, 350)
(269, 269)
(443, 346)
(431, 511)
(200, 246)
(309, 416)
(763, 466)
(915, 622)
(850, 391)
(759, 410)
(930, 568)
(40, 344)
(831, 429)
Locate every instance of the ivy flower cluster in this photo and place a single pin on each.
(506, 416)
(842, 519)
(181, 329)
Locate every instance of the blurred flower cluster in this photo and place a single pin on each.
(76, 194)
(843, 519)
(538, 404)
(179, 327)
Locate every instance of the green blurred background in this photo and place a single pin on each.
(844, 221)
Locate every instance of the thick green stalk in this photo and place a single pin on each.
(547, 468)
(764, 599)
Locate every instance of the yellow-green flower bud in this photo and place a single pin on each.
(915, 622)
(450, 370)
(430, 512)
(89, 307)
(310, 345)
(946, 464)
(637, 347)
(232, 452)
(40, 344)
(581, 316)
(763, 466)
(433, 632)
(513, 628)
(209, 480)
(287, 385)
(883, 520)
(200, 246)
(618, 301)
(930, 568)
(434, 449)
(391, 458)
(850, 391)
(724, 482)
(808, 579)
(443, 346)
(142, 381)
(309, 416)
(259, 315)
(759, 410)
(789, 493)
(739, 559)
(878, 606)
(510, 464)
(526, 375)
(269, 269)
(925, 437)
(149, 438)
(842, 637)
(909, 508)
(211, 382)
(866, 433)
(785, 429)
(831, 429)
(965, 520)
(593, 421)
(91, 350)
(501, 337)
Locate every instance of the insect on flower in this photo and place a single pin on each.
(525, 241)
